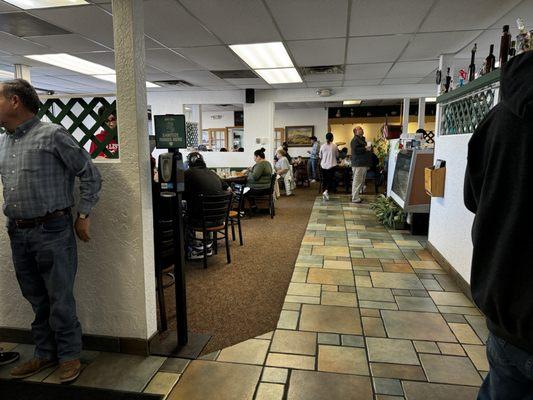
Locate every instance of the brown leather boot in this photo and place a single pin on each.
(69, 370)
(32, 367)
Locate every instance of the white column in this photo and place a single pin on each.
(128, 27)
(259, 124)
(405, 118)
(421, 113)
(23, 72)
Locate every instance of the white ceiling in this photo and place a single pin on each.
(379, 42)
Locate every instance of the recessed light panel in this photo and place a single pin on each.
(351, 102)
(34, 4)
(280, 75)
(263, 55)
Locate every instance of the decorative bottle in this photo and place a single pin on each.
(490, 61)
(505, 45)
(472, 67)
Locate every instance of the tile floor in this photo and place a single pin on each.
(369, 314)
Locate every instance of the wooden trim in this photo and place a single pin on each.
(459, 280)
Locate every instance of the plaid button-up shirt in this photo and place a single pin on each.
(38, 165)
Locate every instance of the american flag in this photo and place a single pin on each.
(385, 130)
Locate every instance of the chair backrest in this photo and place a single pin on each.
(238, 196)
(215, 208)
(273, 182)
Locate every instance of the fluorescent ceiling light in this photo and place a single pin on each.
(76, 64)
(6, 75)
(113, 78)
(263, 55)
(280, 75)
(431, 99)
(32, 4)
(351, 102)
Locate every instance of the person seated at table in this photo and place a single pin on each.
(342, 174)
(223, 150)
(259, 175)
(285, 148)
(283, 169)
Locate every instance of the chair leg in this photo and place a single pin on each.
(240, 232)
(226, 238)
(215, 242)
(204, 241)
(233, 229)
(161, 302)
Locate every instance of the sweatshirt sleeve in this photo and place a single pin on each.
(474, 170)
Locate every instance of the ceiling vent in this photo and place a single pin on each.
(235, 74)
(323, 70)
(24, 25)
(177, 82)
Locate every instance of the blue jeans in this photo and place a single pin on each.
(45, 259)
(313, 163)
(511, 372)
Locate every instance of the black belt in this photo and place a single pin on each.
(34, 222)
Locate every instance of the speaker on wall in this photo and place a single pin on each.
(250, 95)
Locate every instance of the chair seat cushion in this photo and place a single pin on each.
(210, 229)
(233, 214)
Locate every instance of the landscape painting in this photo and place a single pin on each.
(299, 136)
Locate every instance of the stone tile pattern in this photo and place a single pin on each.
(356, 291)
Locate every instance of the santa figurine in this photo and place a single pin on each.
(462, 77)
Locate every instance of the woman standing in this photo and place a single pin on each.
(283, 169)
(329, 152)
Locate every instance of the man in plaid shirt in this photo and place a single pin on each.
(38, 165)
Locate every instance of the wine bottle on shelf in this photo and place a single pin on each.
(472, 67)
(490, 61)
(512, 50)
(448, 81)
(505, 45)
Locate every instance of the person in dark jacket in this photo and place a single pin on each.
(361, 161)
(498, 187)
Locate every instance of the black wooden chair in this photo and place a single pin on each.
(237, 210)
(268, 196)
(215, 220)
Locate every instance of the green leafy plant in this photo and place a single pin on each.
(381, 148)
(388, 212)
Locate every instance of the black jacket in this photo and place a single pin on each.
(360, 156)
(200, 180)
(498, 189)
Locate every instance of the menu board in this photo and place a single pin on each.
(400, 182)
(170, 131)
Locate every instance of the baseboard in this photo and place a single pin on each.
(112, 344)
(459, 280)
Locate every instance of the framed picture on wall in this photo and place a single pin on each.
(299, 136)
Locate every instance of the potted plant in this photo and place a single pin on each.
(388, 212)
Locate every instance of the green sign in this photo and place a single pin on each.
(170, 131)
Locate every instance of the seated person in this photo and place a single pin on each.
(285, 148)
(102, 136)
(259, 175)
(283, 169)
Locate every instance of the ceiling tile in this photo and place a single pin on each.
(223, 18)
(151, 44)
(200, 78)
(246, 81)
(220, 88)
(361, 82)
(324, 84)
(323, 77)
(169, 23)
(367, 71)
(310, 19)
(89, 21)
(255, 86)
(400, 81)
(375, 48)
(18, 46)
(523, 10)
(4, 7)
(168, 61)
(413, 69)
(69, 43)
(431, 45)
(308, 53)
(453, 15)
(378, 17)
(216, 58)
(290, 86)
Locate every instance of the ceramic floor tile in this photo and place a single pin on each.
(207, 380)
(311, 385)
(290, 307)
(478, 355)
(394, 280)
(426, 347)
(416, 304)
(425, 391)
(382, 305)
(370, 312)
(299, 276)
(290, 361)
(344, 360)
(313, 240)
(339, 299)
(411, 244)
(424, 264)
(303, 289)
(302, 299)
(162, 383)
(398, 371)
(451, 349)
(387, 246)
(252, 351)
(450, 299)
(373, 327)
(456, 318)
(211, 356)
(447, 283)
(353, 341)
(397, 267)
(330, 319)
(294, 342)
(417, 326)
(331, 277)
(450, 369)
(366, 262)
(464, 333)
(374, 294)
(383, 254)
(176, 365)
(479, 325)
(120, 372)
(333, 264)
(275, 375)
(388, 386)
(391, 351)
(329, 338)
(288, 319)
(459, 310)
(363, 281)
(338, 251)
(270, 391)
(431, 284)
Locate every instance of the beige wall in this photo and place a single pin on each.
(372, 127)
